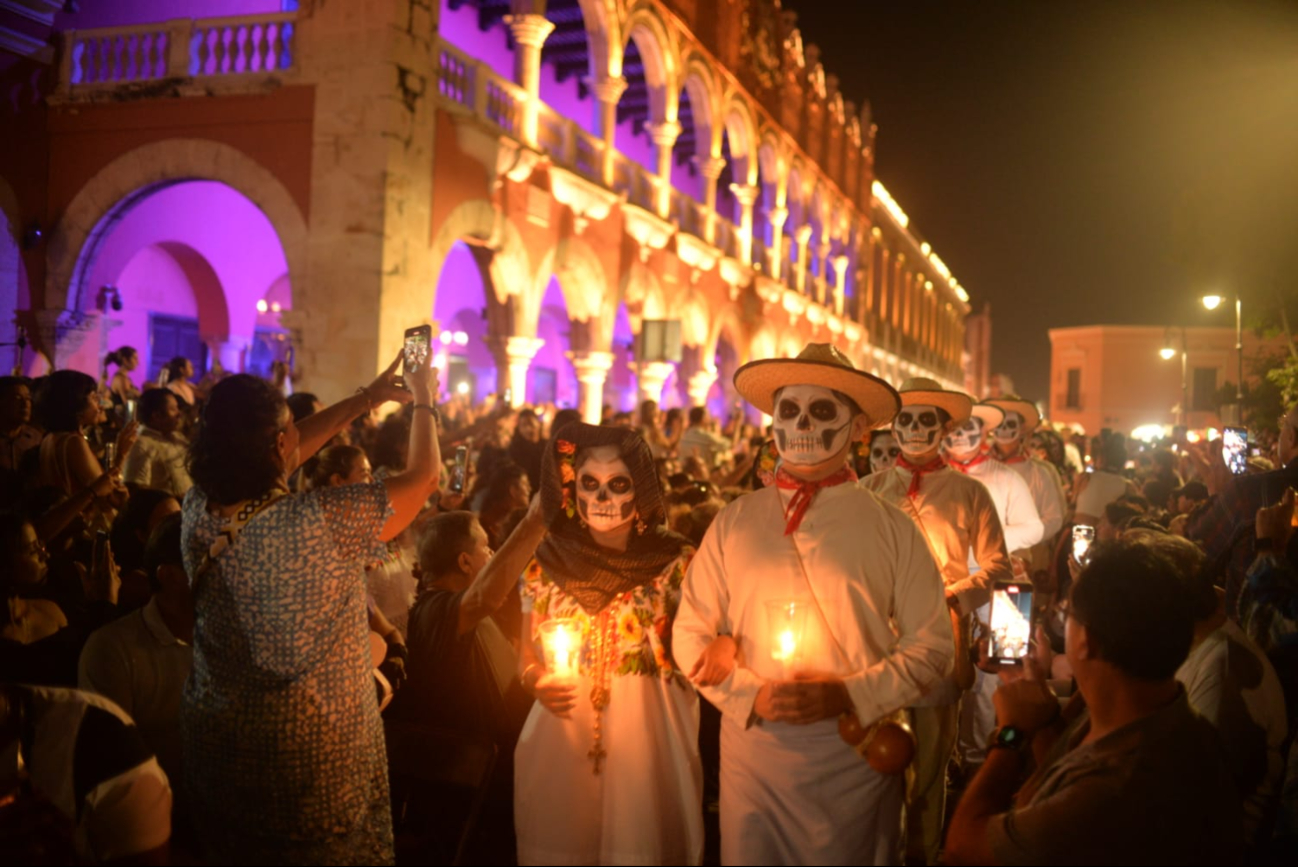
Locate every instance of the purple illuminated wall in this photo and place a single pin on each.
(197, 249)
(13, 291)
(619, 387)
(554, 329)
(458, 306)
(460, 28)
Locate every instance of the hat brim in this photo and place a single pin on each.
(956, 404)
(990, 416)
(1031, 418)
(758, 381)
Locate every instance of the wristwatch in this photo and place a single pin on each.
(1009, 738)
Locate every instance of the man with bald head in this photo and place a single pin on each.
(1225, 527)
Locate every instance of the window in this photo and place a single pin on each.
(1204, 398)
(1074, 397)
(172, 336)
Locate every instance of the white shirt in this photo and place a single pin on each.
(137, 663)
(958, 518)
(873, 577)
(158, 461)
(1231, 683)
(1100, 488)
(1012, 498)
(705, 445)
(1047, 493)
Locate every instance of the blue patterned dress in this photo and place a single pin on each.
(283, 745)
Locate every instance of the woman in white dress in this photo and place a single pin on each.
(607, 768)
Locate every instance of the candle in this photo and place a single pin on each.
(561, 641)
(787, 619)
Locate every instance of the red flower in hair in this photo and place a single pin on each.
(567, 448)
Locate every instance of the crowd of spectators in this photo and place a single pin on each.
(141, 640)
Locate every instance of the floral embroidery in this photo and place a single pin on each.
(628, 627)
(568, 475)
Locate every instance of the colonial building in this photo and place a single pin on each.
(540, 179)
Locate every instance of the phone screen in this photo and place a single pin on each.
(461, 468)
(418, 345)
(1234, 449)
(1011, 622)
(1083, 538)
(130, 410)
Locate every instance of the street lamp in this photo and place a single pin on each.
(1167, 353)
(1212, 302)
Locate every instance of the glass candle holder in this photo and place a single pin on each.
(561, 643)
(787, 620)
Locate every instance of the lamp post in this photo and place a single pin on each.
(1212, 302)
(1168, 353)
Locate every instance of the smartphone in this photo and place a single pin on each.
(1234, 449)
(1083, 538)
(110, 455)
(461, 468)
(130, 410)
(1011, 621)
(417, 347)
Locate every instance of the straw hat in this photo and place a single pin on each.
(1013, 403)
(922, 391)
(817, 364)
(990, 416)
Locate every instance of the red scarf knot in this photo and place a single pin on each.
(918, 473)
(805, 492)
(1019, 458)
(965, 466)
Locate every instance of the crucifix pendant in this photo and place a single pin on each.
(597, 754)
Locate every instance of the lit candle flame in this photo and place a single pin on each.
(788, 645)
(562, 646)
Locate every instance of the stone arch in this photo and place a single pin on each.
(643, 295)
(574, 263)
(86, 223)
(738, 121)
(726, 321)
(602, 33)
(658, 53)
(479, 222)
(700, 83)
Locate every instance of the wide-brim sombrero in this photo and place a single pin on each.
(990, 416)
(818, 364)
(922, 391)
(1014, 403)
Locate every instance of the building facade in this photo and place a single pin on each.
(538, 179)
(1125, 377)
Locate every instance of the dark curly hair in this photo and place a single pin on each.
(233, 456)
(62, 398)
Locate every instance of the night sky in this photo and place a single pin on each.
(1083, 163)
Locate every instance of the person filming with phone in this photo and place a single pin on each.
(280, 729)
(1134, 776)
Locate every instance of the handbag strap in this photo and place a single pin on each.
(243, 515)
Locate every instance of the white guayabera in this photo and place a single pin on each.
(811, 424)
(917, 429)
(605, 492)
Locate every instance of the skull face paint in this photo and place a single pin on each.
(883, 452)
(1011, 430)
(605, 492)
(917, 429)
(811, 424)
(965, 441)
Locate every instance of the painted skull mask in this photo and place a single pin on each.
(1011, 430)
(811, 423)
(917, 428)
(605, 491)
(883, 452)
(965, 441)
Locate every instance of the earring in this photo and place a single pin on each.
(640, 526)
(582, 521)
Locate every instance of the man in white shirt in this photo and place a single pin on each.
(1009, 441)
(875, 636)
(965, 450)
(158, 458)
(958, 519)
(698, 441)
(141, 661)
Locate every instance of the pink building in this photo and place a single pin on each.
(1115, 376)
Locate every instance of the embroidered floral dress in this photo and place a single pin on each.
(283, 745)
(622, 785)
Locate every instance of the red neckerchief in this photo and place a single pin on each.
(805, 492)
(1020, 458)
(966, 466)
(918, 473)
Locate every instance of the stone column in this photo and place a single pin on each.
(592, 369)
(664, 136)
(650, 377)
(530, 33)
(802, 235)
(513, 357)
(746, 195)
(710, 169)
(822, 278)
(881, 283)
(898, 288)
(700, 383)
(777, 215)
(608, 91)
(840, 264)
